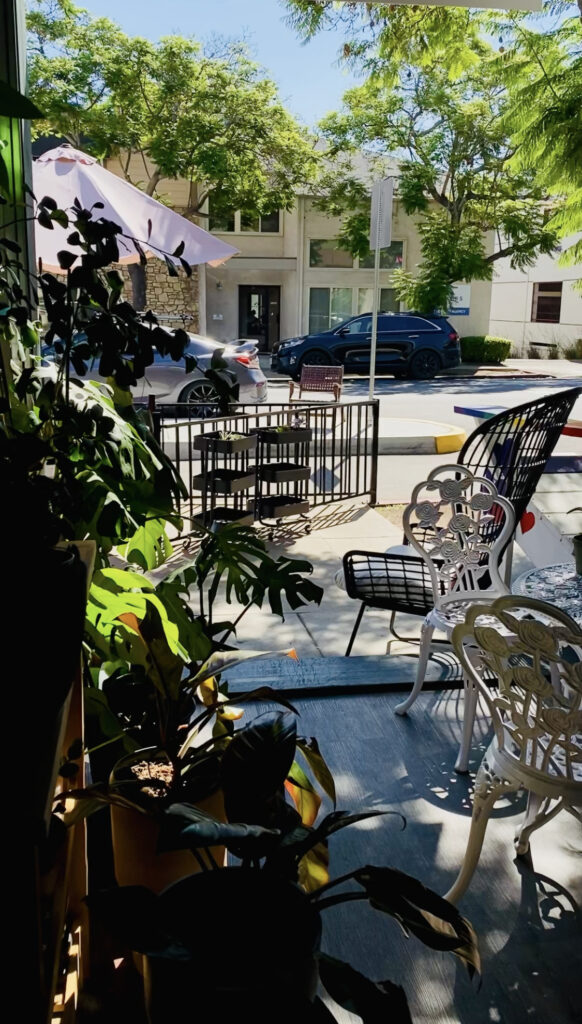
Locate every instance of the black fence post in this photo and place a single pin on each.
(374, 466)
(156, 418)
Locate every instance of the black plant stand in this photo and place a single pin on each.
(225, 469)
(282, 471)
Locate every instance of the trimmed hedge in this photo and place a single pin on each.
(486, 348)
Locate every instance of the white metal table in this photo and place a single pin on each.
(559, 584)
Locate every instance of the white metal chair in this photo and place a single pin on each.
(534, 652)
(448, 526)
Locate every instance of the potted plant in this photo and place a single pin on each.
(285, 434)
(155, 693)
(225, 442)
(252, 932)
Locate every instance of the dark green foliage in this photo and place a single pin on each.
(484, 349)
(214, 119)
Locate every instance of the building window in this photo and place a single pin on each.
(328, 307)
(547, 302)
(270, 223)
(220, 219)
(324, 252)
(388, 301)
(390, 258)
(265, 224)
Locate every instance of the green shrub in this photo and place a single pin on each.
(573, 350)
(481, 348)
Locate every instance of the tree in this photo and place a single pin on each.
(215, 121)
(454, 161)
(543, 74)
(535, 90)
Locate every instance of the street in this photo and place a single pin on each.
(435, 400)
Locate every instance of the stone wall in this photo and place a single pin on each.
(172, 297)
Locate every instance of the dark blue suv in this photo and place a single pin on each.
(408, 345)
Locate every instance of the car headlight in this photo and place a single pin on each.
(291, 343)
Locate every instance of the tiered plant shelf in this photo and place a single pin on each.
(282, 467)
(225, 470)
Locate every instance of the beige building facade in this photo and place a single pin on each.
(290, 278)
(537, 307)
(294, 279)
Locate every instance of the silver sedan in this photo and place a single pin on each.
(170, 384)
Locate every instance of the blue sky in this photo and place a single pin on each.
(308, 76)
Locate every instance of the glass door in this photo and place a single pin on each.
(259, 309)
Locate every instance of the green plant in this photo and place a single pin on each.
(156, 663)
(484, 349)
(184, 924)
(229, 435)
(573, 350)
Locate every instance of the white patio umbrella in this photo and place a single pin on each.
(66, 174)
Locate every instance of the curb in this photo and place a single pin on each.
(448, 440)
(488, 375)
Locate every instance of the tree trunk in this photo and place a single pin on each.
(137, 276)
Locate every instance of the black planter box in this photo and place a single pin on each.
(224, 481)
(283, 472)
(294, 435)
(212, 442)
(221, 516)
(278, 506)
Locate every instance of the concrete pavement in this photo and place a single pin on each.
(324, 630)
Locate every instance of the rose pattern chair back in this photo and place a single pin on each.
(534, 653)
(448, 522)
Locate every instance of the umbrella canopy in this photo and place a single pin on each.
(66, 174)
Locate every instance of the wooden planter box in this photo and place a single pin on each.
(212, 442)
(279, 506)
(283, 472)
(294, 435)
(224, 481)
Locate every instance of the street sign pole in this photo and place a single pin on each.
(375, 301)
(380, 238)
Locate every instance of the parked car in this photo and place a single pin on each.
(169, 382)
(408, 345)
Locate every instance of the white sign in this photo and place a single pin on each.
(381, 214)
(461, 301)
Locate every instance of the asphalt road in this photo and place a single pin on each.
(435, 400)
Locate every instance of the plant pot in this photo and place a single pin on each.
(278, 506)
(48, 591)
(135, 835)
(577, 545)
(252, 939)
(294, 435)
(225, 446)
(283, 472)
(224, 481)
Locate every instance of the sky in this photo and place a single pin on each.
(310, 81)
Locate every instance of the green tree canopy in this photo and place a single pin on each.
(482, 112)
(541, 64)
(214, 120)
(455, 175)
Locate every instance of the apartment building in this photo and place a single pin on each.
(291, 278)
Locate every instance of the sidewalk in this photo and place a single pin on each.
(323, 631)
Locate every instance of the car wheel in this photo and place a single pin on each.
(424, 365)
(316, 358)
(204, 396)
